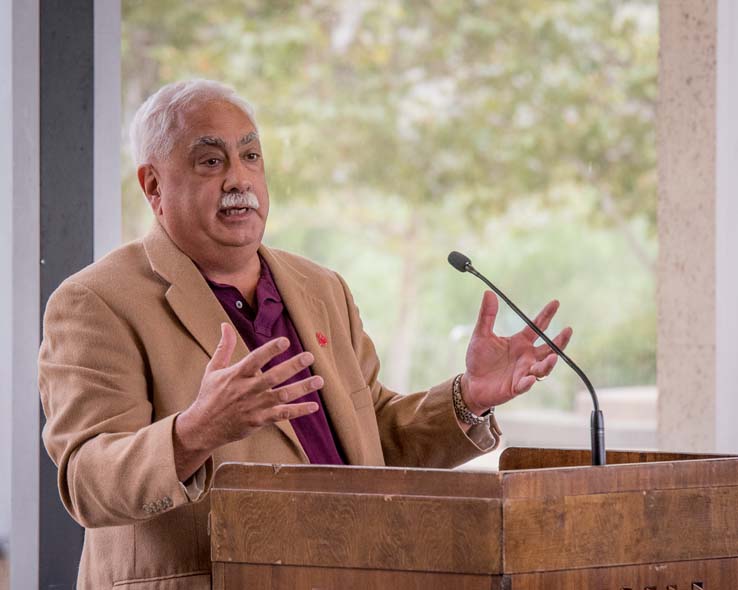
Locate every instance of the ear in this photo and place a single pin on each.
(148, 178)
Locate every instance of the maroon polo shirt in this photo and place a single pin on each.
(268, 321)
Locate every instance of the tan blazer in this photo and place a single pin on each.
(125, 345)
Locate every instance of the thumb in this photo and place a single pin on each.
(224, 351)
(487, 315)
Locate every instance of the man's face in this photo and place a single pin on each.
(200, 191)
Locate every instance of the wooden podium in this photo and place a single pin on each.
(545, 521)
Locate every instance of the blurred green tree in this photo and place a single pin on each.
(397, 130)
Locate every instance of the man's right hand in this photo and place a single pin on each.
(236, 400)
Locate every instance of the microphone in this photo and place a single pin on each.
(597, 421)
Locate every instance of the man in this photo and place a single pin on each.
(198, 345)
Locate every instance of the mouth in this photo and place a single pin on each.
(235, 211)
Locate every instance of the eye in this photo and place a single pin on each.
(212, 162)
(253, 156)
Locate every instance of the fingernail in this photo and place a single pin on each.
(284, 344)
(317, 382)
(313, 407)
(306, 360)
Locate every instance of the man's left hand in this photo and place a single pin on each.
(501, 368)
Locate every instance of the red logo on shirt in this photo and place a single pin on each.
(322, 340)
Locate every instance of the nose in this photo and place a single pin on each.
(238, 178)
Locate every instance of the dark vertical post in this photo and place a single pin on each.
(66, 79)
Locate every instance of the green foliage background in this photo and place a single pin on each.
(518, 131)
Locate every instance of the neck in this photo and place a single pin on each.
(242, 272)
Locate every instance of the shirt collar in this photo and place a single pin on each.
(268, 300)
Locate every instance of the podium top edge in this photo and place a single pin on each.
(358, 479)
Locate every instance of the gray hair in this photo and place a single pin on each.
(157, 120)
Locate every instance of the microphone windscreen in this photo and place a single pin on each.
(458, 261)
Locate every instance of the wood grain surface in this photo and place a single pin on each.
(537, 458)
(357, 530)
(266, 577)
(714, 574)
(646, 521)
(364, 480)
(619, 528)
(572, 481)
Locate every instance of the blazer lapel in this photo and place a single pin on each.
(310, 318)
(194, 304)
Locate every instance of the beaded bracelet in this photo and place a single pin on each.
(463, 413)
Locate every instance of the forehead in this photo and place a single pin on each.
(214, 119)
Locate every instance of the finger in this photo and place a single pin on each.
(542, 321)
(524, 384)
(259, 357)
(520, 372)
(487, 315)
(542, 351)
(290, 411)
(293, 391)
(224, 351)
(280, 373)
(543, 368)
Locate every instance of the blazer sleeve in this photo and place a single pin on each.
(116, 466)
(418, 429)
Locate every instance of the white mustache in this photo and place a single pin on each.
(239, 200)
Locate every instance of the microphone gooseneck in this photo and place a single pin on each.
(597, 422)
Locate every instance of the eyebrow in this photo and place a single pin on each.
(248, 138)
(208, 140)
(212, 141)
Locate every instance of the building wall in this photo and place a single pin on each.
(698, 214)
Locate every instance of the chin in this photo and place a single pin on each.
(242, 241)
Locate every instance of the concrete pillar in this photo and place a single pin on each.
(59, 206)
(726, 279)
(108, 200)
(697, 276)
(80, 198)
(19, 295)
